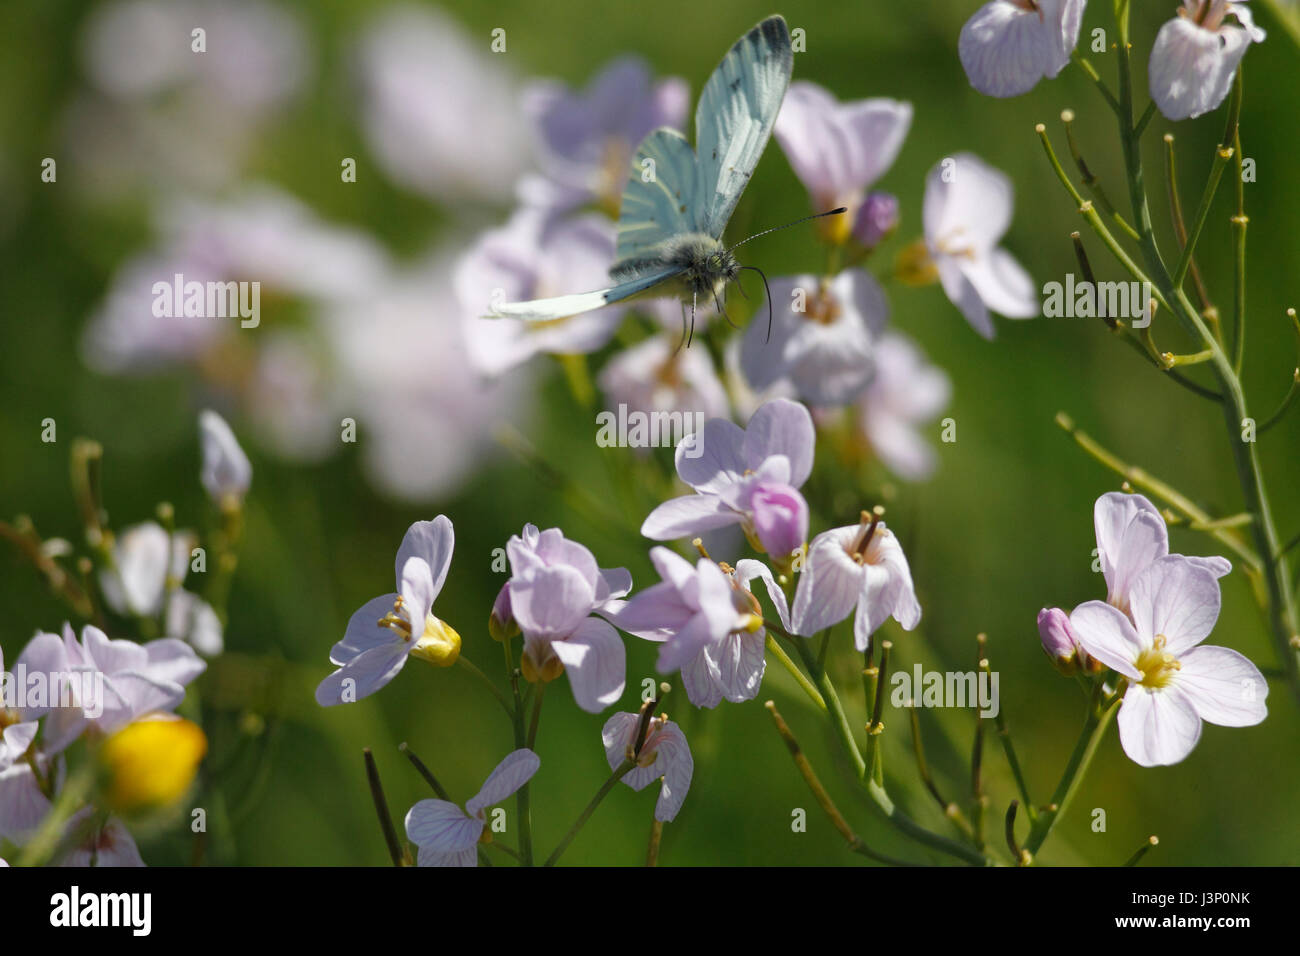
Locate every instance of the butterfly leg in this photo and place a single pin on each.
(682, 341)
(721, 310)
(694, 302)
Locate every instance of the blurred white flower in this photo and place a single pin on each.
(426, 418)
(109, 844)
(440, 112)
(226, 470)
(658, 376)
(160, 112)
(292, 400)
(839, 149)
(587, 139)
(145, 559)
(532, 256)
(906, 392)
(261, 235)
(823, 336)
(1196, 54)
(967, 211)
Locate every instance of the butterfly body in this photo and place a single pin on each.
(678, 198)
(700, 267)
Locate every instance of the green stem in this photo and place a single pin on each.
(779, 653)
(522, 801)
(1094, 729)
(844, 733)
(621, 771)
(1284, 620)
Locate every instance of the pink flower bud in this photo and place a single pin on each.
(1058, 640)
(501, 622)
(877, 217)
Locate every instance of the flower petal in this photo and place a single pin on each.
(369, 671)
(829, 585)
(1224, 687)
(1131, 535)
(510, 774)
(1177, 598)
(433, 541)
(596, 662)
(688, 515)
(711, 458)
(442, 826)
(747, 569)
(1157, 727)
(1108, 635)
(1006, 49)
(781, 427)
(1191, 68)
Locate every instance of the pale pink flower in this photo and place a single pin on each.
(449, 836)
(665, 755)
(1009, 45)
(860, 570)
(966, 212)
(1196, 55)
(1173, 684)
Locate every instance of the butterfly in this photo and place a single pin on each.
(678, 200)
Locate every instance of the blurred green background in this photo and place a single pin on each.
(1004, 528)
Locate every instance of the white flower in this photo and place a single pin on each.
(119, 681)
(226, 470)
(709, 623)
(657, 376)
(109, 844)
(535, 255)
(145, 558)
(555, 586)
(1009, 45)
(746, 476)
(448, 835)
(839, 149)
(1174, 685)
(906, 392)
(665, 755)
(859, 566)
(824, 333)
(1196, 54)
(967, 211)
(387, 630)
(149, 90)
(441, 113)
(426, 418)
(587, 139)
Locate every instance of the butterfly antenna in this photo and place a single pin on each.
(819, 215)
(767, 291)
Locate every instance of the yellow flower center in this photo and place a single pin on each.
(439, 644)
(1156, 666)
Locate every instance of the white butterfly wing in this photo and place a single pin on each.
(563, 306)
(734, 119)
(661, 198)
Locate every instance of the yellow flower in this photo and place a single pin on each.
(150, 763)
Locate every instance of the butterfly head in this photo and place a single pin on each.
(706, 264)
